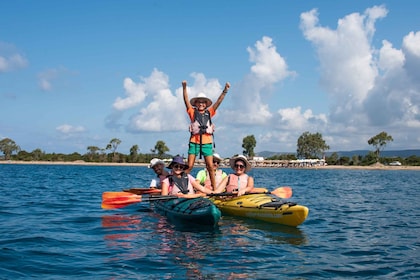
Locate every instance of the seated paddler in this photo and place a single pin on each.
(180, 183)
(238, 182)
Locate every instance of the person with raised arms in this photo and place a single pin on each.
(200, 111)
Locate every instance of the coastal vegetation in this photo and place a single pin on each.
(309, 145)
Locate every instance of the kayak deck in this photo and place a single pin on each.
(198, 211)
(263, 207)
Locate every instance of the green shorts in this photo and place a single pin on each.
(194, 149)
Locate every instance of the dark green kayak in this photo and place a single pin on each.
(196, 211)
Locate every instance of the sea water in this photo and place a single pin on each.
(362, 224)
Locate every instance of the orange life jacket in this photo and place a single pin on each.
(236, 182)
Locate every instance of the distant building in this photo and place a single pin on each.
(258, 158)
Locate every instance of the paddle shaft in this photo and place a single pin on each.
(282, 192)
(123, 201)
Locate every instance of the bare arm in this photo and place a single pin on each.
(200, 188)
(222, 186)
(249, 186)
(185, 94)
(165, 188)
(221, 97)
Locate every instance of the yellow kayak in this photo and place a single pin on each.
(262, 207)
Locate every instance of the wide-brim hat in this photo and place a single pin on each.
(232, 162)
(178, 160)
(217, 157)
(155, 161)
(201, 96)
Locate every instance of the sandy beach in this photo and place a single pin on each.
(370, 167)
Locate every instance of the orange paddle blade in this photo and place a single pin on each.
(114, 200)
(283, 192)
(110, 195)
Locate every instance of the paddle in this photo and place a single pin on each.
(143, 190)
(282, 192)
(115, 200)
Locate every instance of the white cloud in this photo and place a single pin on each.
(70, 129)
(269, 66)
(369, 90)
(10, 59)
(390, 58)
(159, 108)
(249, 94)
(412, 43)
(135, 95)
(347, 66)
(294, 119)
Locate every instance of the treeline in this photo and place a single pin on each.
(101, 157)
(93, 154)
(309, 146)
(357, 160)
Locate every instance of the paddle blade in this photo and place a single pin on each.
(115, 200)
(110, 195)
(110, 206)
(283, 192)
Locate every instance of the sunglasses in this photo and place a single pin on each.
(177, 166)
(216, 162)
(240, 166)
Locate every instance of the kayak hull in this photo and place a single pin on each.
(263, 207)
(194, 211)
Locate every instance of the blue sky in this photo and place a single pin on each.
(76, 73)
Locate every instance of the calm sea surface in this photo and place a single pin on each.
(361, 224)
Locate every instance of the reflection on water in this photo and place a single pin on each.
(280, 234)
(149, 236)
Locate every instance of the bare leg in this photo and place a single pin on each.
(191, 160)
(209, 166)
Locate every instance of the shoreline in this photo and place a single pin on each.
(355, 167)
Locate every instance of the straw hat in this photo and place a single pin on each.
(217, 157)
(201, 96)
(232, 162)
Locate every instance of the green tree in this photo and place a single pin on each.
(379, 141)
(249, 143)
(355, 160)
(8, 146)
(311, 145)
(134, 153)
(113, 145)
(160, 148)
(93, 152)
(37, 154)
(332, 159)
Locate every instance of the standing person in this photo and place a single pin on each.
(158, 167)
(203, 177)
(200, 111)
(239, 181)
(180, 183)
